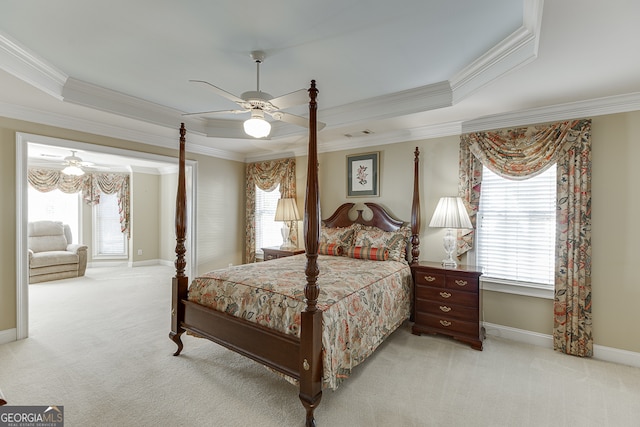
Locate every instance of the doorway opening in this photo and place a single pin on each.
(167, 166)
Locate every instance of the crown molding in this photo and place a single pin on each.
(89, 95)
(392, 137)
(25, 65)
(572, 110)
(520, 48)
(424, 98)
(166, 138)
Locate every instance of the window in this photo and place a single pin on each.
(267, 230)
(55, 206)
(516, 226)
(108, 239)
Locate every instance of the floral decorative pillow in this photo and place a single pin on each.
(368, 252)
(342, 236)
(330, 249)
(394, 241)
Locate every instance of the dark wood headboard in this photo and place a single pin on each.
(381, 218)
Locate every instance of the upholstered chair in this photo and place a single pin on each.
(52, 256)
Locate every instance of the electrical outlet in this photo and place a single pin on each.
(139, 251)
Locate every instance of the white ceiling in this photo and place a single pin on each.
(404, 70)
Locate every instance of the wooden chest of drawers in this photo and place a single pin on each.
(448, 301)
(275, 252)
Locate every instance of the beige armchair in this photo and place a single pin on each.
(52, 256)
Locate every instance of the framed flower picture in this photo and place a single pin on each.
(363, 176)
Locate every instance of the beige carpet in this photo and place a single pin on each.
(99, 347)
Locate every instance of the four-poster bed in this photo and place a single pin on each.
(288, 336)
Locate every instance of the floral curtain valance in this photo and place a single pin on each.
(267, 175)
(524, 152)
(91, 185)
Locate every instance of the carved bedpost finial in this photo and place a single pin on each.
(415, 210)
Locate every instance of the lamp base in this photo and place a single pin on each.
(449, 243)
(286, 237)
(449, 263)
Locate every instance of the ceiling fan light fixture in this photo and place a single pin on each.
(257, 126)
(73, 170)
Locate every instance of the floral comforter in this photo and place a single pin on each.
(362, 301)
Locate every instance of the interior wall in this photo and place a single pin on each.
(615, 236)
(7, 229)
(221, 213)
(222, 190)
(145, 217)
(166, 223)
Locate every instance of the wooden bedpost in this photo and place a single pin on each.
(311, 318)
(180, 281)
(415, 210)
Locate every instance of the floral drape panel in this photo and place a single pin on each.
(524, 152)
(267, 175)
(91, 185)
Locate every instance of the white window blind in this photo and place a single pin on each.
(108, 240)
(267, 230)
(516, 226)
(55, 206)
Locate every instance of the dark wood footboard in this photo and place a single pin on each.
(266, 346)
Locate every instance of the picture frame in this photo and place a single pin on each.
(363, 176)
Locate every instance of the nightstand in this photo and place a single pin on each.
(448, 301)
(275, 252)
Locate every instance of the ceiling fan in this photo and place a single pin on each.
(258, 103)
(74, 165)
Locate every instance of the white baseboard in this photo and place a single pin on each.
(8, 335)
(128, 263)
(144, 263)
(166, 263)
(107, 264)
(600, 352)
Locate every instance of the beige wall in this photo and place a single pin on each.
(145, 217)
(615, 236)
(7, 229)
(167, 224)
(221, 214)
(220, 206)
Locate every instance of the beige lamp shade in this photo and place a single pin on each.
(287, 210)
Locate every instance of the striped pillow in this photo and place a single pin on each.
(330, 249)
(368, 252)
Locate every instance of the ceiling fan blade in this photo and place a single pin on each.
(292, 99)
(219, 91)
(295, 120)
(203, 113)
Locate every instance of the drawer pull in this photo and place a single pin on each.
(429, 278)
(461, 282)
(445, 323)
(445, 294)
(445, 308)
